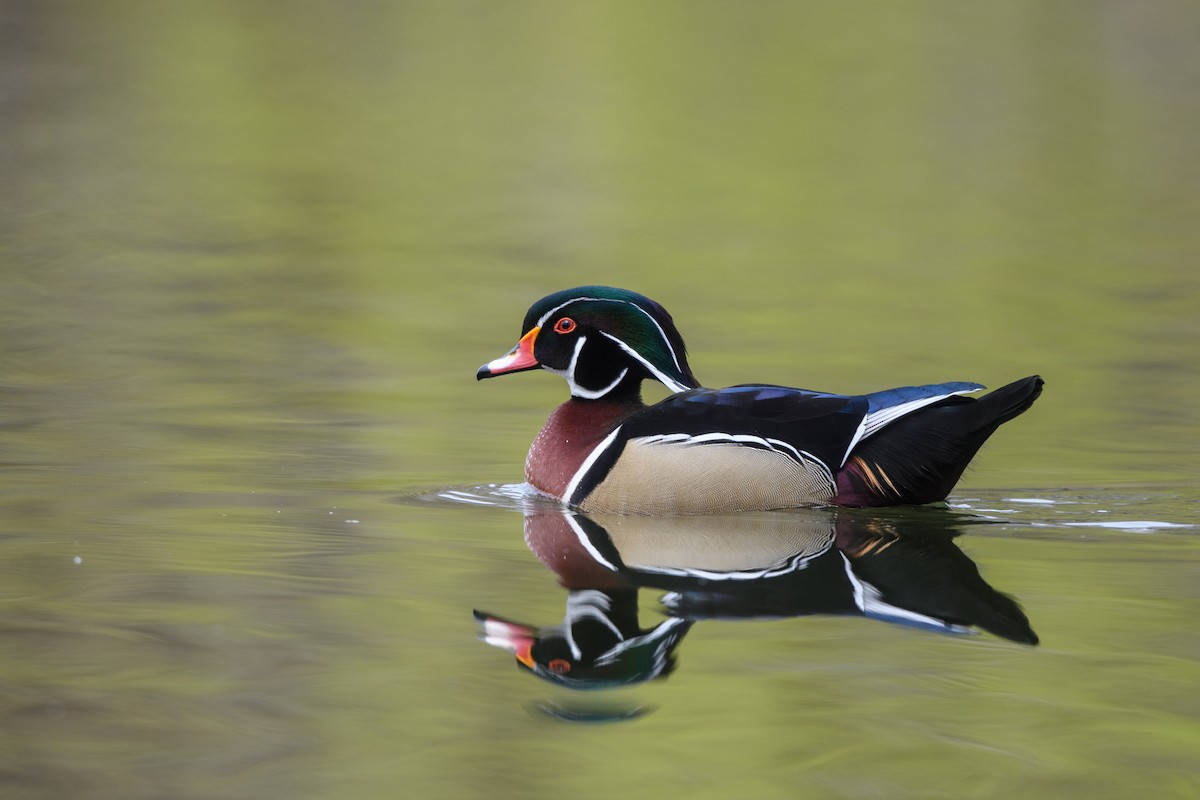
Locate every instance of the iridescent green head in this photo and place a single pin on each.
(604, 341)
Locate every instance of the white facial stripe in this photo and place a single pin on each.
(669, 382)
(575, 357)
(569, 636)
(587, 604)
(576, 389)
(542, 322)
(661, 633)
(591, 604)
(595, 394)
(661, 332)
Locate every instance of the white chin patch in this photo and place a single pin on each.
(579, 391)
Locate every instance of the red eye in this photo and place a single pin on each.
(564, 325)
(559, 665)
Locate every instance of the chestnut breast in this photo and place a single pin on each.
(571, 433)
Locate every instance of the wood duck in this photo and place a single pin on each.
(744, 448)
(900, 568)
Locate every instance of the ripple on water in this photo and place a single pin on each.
(1143, 511)
(1149, 511)
(509, 496)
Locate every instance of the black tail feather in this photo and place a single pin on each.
(920, 457)
(928, 574)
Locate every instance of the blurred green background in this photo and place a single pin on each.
(253, 252)
(837, 197)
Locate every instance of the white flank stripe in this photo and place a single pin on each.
(663, 437)
(793, 563)
(577, 478)
(586, 542)
(774, 445)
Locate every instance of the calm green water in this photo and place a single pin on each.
(252, 254)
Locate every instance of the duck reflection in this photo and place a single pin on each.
(899, 568)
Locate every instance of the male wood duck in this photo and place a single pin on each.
(899, 568)
(744, 448)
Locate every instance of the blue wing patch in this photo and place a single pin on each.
(890, 405)
(878, 401)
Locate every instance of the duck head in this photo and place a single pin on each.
(598, 645)
(603, 341)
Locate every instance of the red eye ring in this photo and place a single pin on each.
(564, 325)
(559, 666)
